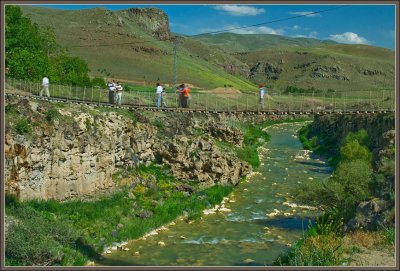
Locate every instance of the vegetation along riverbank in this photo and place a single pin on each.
(110, 175)
(358, 224)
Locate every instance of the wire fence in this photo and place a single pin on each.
(208, 100)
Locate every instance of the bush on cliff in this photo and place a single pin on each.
(348, 186)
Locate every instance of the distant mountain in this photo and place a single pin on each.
(136, 44)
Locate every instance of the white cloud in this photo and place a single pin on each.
(307, 13)
(240, 10)
(311, 35)
(250, 30)
(296, 27)
(348, 37)
(256, 30)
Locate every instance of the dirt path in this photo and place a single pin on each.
(369, 257)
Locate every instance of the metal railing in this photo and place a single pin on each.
(207, 100)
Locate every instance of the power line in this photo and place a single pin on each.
(270, 22)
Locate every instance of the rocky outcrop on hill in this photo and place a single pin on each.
(269, 70)
(153, 20)
(334, 72)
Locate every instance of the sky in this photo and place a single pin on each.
(351, 24)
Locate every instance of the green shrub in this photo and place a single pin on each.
(327, 225)
(22, 126)
(315, 250)
(37, 240)
(353, 150)
(52, 114)
(361, 136)
(249, 154)
(98, 82)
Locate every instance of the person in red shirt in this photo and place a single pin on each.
(185, 96)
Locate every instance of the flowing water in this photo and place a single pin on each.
(253, 227)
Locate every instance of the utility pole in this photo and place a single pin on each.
(175, 63)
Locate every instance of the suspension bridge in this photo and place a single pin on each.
(205, 101)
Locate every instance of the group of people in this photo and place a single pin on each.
(114, 92)
(183, 99)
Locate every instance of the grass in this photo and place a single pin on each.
(317, 247)
(91, 225)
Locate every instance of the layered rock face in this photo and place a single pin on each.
(76, 151)
(65, 161)
(201, 160)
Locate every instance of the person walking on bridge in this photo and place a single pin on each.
(261, 91)
(45, 87)
(111, 92)
(118, 95)
(185, 96)
(160, 95)
(179, 89)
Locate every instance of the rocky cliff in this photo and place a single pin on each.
(380, 129)
(151, 20)
(65, 151)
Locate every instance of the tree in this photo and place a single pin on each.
(27, 64)
(69, 70)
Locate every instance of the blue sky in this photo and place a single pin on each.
(354, 24)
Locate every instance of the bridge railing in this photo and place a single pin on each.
(209, 100)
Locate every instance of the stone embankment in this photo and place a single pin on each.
(70, 150)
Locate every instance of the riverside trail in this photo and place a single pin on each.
(255, 225)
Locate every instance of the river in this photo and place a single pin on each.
(255, 225)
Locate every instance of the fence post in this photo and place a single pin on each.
(313, 107)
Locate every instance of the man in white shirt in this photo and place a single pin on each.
(160, 95)
(111, 94)
(118, 95)
(261, 89)
(45, 86)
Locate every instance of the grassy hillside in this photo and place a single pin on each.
(339, 67)
(90, 34)
(253, 42)
(121, 45)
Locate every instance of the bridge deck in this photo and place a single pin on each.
(205, 110)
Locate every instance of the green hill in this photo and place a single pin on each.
(139, 53)
(244, 43)
(136, 44)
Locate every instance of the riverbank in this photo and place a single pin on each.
(244, 232)
(358, 199)
(144, 197)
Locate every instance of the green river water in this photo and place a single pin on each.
(255, 225)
